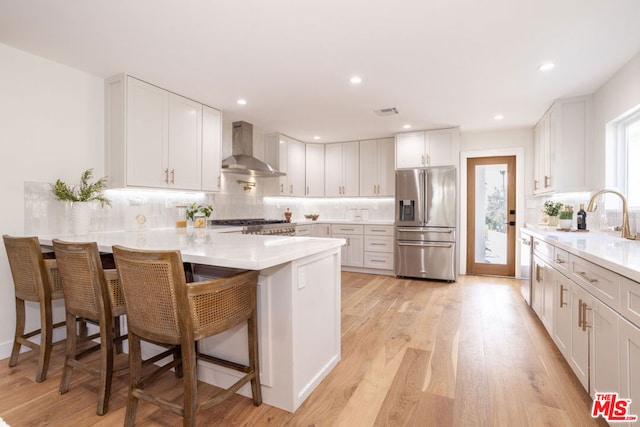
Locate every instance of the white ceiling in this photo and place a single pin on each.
(439, 62)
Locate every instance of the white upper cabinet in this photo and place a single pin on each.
(287, 155)
(377, 176)
(562, 138)
(427, 148)
(342, 169)
(211, 143)
(314, 170)
(157, 139)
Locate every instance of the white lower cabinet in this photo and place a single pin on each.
(303, 230)
(353, 250)
(378, 247)
(595, 319)
(562, 319)
(321, 230)
(579, 349)
(604, 362)
(629, 356)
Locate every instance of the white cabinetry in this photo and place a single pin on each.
(428, 148)
(378, 247)
(321, 230)
(288, 156)
(342, 169)
(314, 170)
(579, 349)
(377, 176)
(157, 139)
(303, 230)
(589, 305)
(629, 350)
(562, 139)
(353, 251)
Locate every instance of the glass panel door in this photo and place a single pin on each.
(491, 216)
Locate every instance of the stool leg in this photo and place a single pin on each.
(20, 320)
(70, 353)
(106, 367)
(117, 330)
(46, 339)
(135, 373)
(190, 384)
(254, 360)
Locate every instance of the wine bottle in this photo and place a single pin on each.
(582, 218)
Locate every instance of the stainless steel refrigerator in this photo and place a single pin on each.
(426, 223)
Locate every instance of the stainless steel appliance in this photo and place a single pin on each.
(274, 227)
(426, 223)
(241, 160)
(525, 267)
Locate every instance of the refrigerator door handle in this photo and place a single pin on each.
(413, 230)
(426, 245)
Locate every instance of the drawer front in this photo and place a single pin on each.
(303, 230)
(602, 283)
(379, 230)
(381, 260)
(346, 229)
(630, 300)
(378, 244)
(543, 249)
(561, 261)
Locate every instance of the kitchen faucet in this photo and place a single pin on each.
(626, 233)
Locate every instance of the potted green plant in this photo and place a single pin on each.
(198, 214)
(551, 209)
(80, 197)
(565, 218)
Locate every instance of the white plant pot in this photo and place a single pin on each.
(80, 218)
(564, 224)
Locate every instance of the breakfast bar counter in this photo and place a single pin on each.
(298, 303)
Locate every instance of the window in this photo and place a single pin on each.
(628, 157)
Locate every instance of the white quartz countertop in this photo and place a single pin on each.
(212, 247)
(607, 250)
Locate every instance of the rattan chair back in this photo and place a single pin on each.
(163, 308)
(35, 279)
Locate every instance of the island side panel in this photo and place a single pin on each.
(299, 331)
(316, 321)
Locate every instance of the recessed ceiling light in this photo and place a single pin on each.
(498, 117)
(355, 80)
(546, 66)
(406, 126)
(242, 101)
(316, 137)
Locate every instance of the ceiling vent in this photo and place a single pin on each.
(387, 111)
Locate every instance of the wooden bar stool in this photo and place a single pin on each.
(163, 308)
(96, 295)
(35, 279)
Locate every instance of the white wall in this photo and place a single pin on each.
(51, 126)
(618, 95)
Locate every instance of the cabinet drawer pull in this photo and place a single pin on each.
(382, 261)
(173, 176)
(535, 184)
(584, 317)
(537, 272)
(562, 303)
(547, 181)
(377, 230)
(584, 275)
(559, 261)
(580, 313)
(282, 188)
(166, 176)
(291, 189)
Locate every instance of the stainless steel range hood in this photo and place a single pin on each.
(241, 160)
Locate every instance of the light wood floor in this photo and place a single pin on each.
(414, 353)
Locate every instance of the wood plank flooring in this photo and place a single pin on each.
(414, 353)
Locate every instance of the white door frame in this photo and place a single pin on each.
(520, 198)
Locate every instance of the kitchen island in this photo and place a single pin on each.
(298, 303)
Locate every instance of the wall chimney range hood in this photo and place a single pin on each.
(241, 160)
